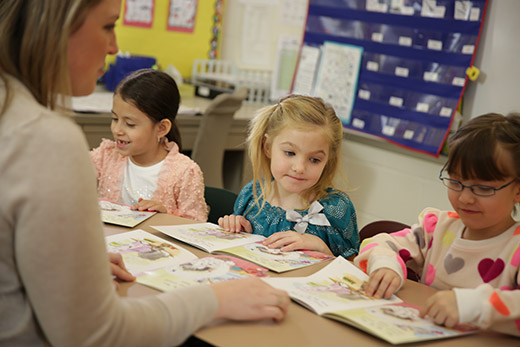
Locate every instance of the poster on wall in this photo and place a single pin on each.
(139, 13)
(181, 15)
(413, 66)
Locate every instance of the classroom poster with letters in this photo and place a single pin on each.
(181, 15)
(139, 13)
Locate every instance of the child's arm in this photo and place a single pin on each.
(291, 241)
(484, 306)
(149, 205)
(383, 283)
(393, 251)
(235, 224)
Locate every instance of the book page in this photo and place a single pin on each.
(207, 236)
(398, 323)
(121, 214)
(202, 270)
(276, 260)
(338, 286)
(142, 251)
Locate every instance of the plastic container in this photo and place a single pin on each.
(125, 66)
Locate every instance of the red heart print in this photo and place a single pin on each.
(404, 254)
(490, 269)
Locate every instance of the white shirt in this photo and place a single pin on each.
(139, 182)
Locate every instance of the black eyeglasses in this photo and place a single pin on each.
(476, 189)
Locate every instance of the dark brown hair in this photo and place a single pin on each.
(154, 93)
(475, 146)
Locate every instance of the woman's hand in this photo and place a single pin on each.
(288, 241)
(118, 268)
(235, 224)
(149, 205)
(250, 299)
(383, 283)
(442, 308)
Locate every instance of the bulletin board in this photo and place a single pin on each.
(412, 72)
(170, 47)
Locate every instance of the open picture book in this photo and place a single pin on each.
(214, 239)
(165, 266)
(121, 214)
(338, 292)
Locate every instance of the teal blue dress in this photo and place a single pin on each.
(341, 236)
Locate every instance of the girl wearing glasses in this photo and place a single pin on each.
(471, 255)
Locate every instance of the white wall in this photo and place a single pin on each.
(498, 57)
(392, 183)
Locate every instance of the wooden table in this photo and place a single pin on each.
(301, 327)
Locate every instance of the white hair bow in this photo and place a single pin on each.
(313, 217)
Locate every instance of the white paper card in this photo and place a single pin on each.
(405, 41)
(358, 123)
(431, 76)
(435, 45)
(458, 81)
(408, 134)
(446, 112)
(372, 66)
(395, 101)
(422, 107)
(401, 71)
(364, 94)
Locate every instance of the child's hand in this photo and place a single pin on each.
(235, 224)
(442, 308)
(118, 268)
(383, 283)
(250, 298)
(149, 205)
(291, 240)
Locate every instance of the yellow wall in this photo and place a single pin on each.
(169, 47)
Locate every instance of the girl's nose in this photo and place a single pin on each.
(112, 45)
(298, 165)
(116, 128)
(466, 195)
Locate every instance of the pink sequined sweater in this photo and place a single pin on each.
(180, 186)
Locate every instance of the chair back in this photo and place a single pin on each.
(380, 226)
(221, 202)
(210, 143)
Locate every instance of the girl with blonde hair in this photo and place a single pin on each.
(295, 150)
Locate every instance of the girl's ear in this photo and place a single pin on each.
(266, 146)
(517, 193)
(163, 127)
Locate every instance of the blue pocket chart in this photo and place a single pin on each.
(412, 71)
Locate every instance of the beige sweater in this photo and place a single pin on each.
(55, 283)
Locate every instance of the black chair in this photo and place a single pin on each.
(386, 226)
(220, 201)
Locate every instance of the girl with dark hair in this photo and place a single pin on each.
(472, 254)
(143, 167)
